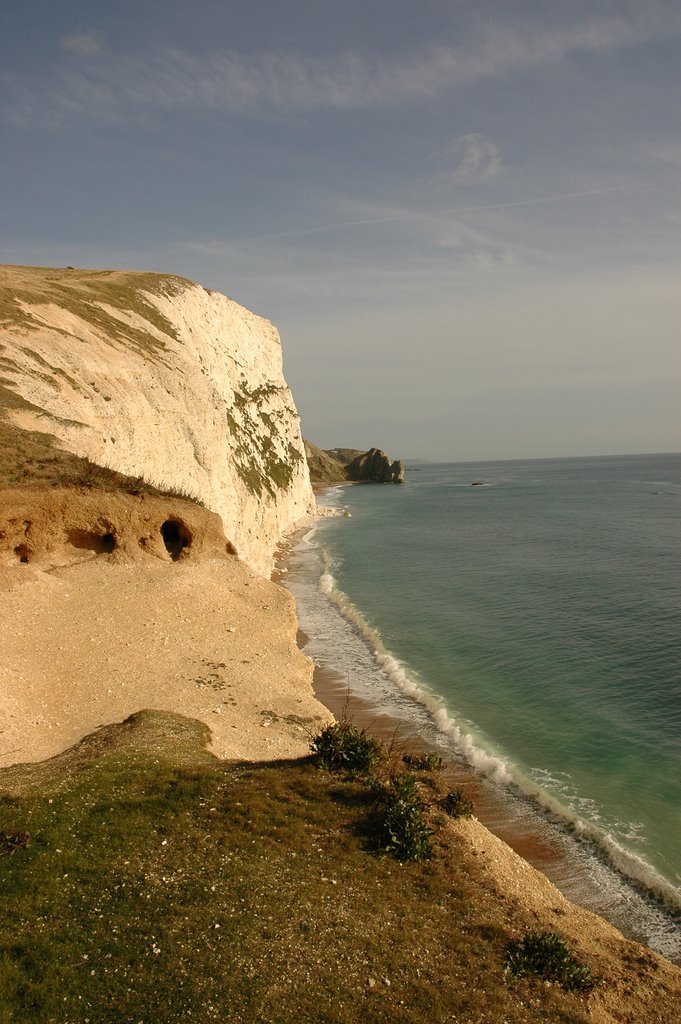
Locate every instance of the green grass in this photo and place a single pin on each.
(85, 294)
(546, 955)
(33, 459)
(341, 746)
(161, 885)
(255, 460)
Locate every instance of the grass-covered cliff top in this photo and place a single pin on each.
(92, 295)
(143, 880)
(150, 882)
(31, 457)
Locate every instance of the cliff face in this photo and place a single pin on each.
(153, 376)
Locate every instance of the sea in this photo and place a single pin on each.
(524, 617)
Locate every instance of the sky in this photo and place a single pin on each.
(463, 218)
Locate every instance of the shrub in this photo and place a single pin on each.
(424, 762)
(10, 842)
(456, 804)
(400, 828)
(547, 955)
(343, 746)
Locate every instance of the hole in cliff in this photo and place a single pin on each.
(231, 550)
(22, 551)
(176, 537)
(89, 540)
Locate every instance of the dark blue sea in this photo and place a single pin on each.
(527, 613)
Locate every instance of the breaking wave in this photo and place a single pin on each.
(469, 745)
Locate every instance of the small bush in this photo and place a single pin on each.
(457, 805)
(424, 762)
(10, 842)
(401, 829)
(344, 746)
(547, 955)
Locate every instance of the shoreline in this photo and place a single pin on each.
(542, 840)
(331, 690)
(207, 639)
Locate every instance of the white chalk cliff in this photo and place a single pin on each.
(154, 376)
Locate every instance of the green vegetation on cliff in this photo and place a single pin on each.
(322, 466)
(105, 299)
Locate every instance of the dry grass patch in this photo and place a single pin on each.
(102, 298)
(161, 885)
(33, 459)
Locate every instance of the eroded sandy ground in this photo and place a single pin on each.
(88, 644)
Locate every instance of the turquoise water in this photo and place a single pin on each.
(536, 620)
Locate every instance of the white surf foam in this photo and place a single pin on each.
(478, 754)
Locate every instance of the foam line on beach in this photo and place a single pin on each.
(487, 762)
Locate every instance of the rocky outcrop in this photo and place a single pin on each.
(344, 455)
(153, 376)
(322, 466)
(348, 464)
(375, 466)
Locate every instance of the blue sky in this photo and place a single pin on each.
(464, 219)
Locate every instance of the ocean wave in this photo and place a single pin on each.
(498, 769)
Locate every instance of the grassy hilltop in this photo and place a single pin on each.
(159, 884)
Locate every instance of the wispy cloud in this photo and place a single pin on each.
(373, 251)
(405, 215)
(468, 159)
(229, 81)
(85, 43)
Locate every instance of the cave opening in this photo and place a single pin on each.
(176, 537)
(21, 550)
(90, 540)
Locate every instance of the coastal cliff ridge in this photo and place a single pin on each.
(152, 375)
(152, 461)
